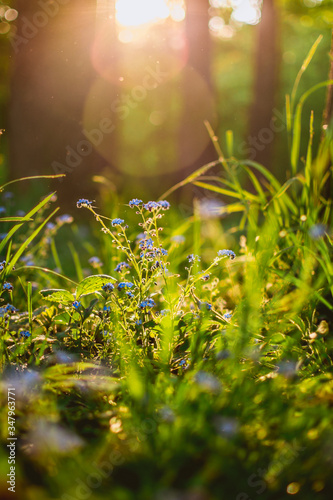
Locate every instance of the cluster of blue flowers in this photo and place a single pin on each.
(108, 287)
(2, 265)
(227, 253)
(83, 203)
(150, 250)
(135, 202)
(117, 222)
(121, 266)
(8, 286)
(25, 334)
(146, 244)
(124, 284)
(145, 304)
(155, 205)
(7, 309)
(193, 258)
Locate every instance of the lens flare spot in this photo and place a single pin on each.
(134, 13)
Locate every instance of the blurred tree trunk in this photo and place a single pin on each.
(195, 148)
(198, 38)
(51, 76)
(261, 131)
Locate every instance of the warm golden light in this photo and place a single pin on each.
(134, 13)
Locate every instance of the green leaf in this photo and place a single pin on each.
(87, 312)
(55, 295)
(92, 284)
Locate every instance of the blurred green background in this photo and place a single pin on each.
(121, 89)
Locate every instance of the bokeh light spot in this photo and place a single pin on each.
(11, 14)
(134, 13)
(293, 488)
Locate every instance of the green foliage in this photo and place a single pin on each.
(185, 370)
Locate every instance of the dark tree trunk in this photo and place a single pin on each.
(51, 77)
(198, 99)
(198, 37)
(261, 132)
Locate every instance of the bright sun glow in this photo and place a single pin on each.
(134, 13)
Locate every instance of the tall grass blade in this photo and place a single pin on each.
(24, 245)
(26, 218)
(295, 149)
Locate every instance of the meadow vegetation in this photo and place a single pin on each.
(161, 357)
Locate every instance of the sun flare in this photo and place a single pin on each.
(133, 13)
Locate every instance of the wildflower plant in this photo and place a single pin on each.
(217, 358)
(143, 293)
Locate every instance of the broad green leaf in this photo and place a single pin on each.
(55, 295)
(92, 284)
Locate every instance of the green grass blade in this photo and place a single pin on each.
(190, 178)
(29, 297)
(47, 271)
(297, 129)
(28, 241)
(230, 143)
(241, 196)
(304, 66)
(55, 255)
(283, 189)
(77, 263)
(14, 219)
(31, 178)
(24, 219)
